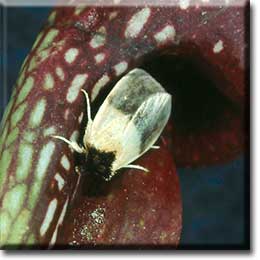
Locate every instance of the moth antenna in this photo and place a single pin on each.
(155, 147)
(138, 167)
(72, 144)
(88, 105)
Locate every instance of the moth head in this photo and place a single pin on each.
(100, 163)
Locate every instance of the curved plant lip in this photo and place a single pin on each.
(66, 118)
(133, 210)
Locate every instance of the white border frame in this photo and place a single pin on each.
(255, 169)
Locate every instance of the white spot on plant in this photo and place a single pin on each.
(25, 90)
(74, 136)
(65, 162)
(75, 87)
(12, 136)
(48, 217)
(29, 136)
(99, 85)
(71, 55)
(13, 199)
(18, 114)
(60, 181)
(19, 227)
(44, 160)
(60, 221)
(37, 113)
(120, 67)
(25, 155)
(137, 22)
(218, 47)
(100, 57)
(41, 168)
(60, 73)
(166, 34)
(49, 131)
(48, 40)
(99, 38)
(48, 81)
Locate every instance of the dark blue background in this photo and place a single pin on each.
(214, 209)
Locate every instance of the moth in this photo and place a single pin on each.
(127, 124)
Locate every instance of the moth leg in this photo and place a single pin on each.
(138, 167)
(155, 147)
(88, 105)
(77, 184)
(72, 144)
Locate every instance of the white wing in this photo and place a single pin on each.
(144, 129)
(131, 118)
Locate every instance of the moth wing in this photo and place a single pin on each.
(107, 136)
(144, 128)
(118, 109)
